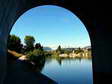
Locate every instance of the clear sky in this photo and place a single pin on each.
(52, 26)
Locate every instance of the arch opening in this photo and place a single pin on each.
(66, 21)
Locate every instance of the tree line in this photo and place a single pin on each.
(31, 48)
(15, 44)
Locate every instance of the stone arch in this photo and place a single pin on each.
(90, 14)
(20, 7)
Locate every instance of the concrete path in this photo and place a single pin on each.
(22, 58)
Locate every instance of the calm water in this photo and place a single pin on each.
(69, 71)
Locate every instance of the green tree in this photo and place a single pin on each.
(14, 43)
(79, 50)
(29, 41)
(59, 50)
(38, 46)
(67, 52)
(35, 55)
(38, 58)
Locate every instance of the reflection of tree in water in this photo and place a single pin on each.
(39, 64)
(48, 59)
(60, 59)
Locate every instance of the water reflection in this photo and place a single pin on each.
(69, 70)
(60, 60)
(39, 64)
(63, 70)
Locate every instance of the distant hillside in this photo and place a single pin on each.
(87, 47)
(70, 49)
(47, 48)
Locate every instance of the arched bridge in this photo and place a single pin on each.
(93, 14)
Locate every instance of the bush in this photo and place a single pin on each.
(14, 43)
(35, 55)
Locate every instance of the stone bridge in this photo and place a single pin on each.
(94, 15)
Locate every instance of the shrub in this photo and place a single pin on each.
(35, 55)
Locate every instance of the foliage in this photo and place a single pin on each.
(46, 53)
(58, 50)
(14, 43)
(35, 55)
(79, 50)
(29, 41)
(66, 52)
(38, 46)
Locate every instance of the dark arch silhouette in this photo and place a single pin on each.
(92, 14)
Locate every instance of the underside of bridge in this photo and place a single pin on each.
(94, 15)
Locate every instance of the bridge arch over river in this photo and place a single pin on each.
(93, 15)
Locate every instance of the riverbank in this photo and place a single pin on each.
(76, 55)
(20, 72)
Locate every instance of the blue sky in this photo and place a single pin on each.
(52, 26)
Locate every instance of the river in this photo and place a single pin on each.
(69, 71)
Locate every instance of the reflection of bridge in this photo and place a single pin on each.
(95, 16)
